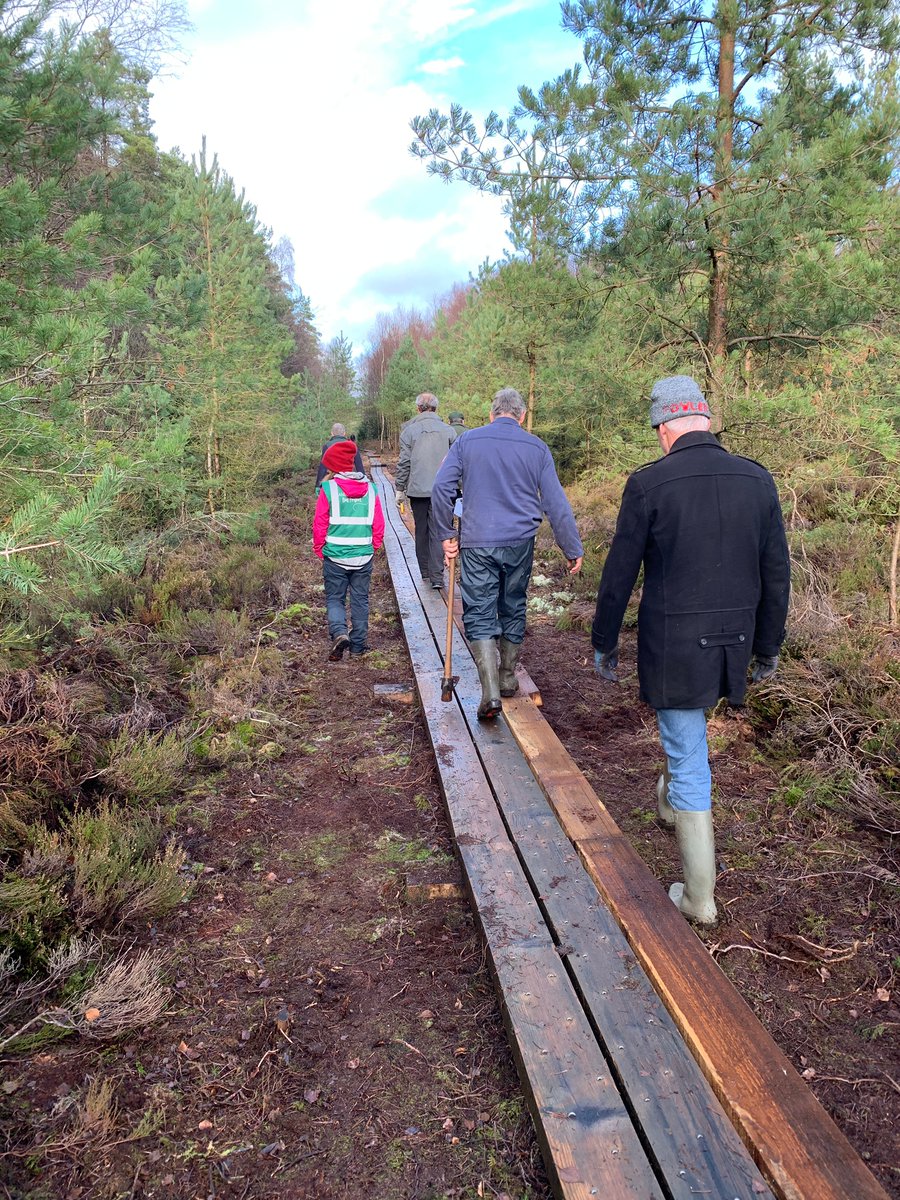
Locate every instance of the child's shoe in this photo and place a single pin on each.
(338, 646)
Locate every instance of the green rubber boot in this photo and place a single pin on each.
(509, 656)
(664, 809)
(696, 844)
(485, 654)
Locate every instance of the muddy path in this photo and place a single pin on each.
(327, 1036)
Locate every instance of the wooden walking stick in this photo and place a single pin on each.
(449, 682)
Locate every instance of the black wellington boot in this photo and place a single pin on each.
(509, 656)
(485, 654)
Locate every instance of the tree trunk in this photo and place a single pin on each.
(532, 376)
(212, 453)
(719, 218)
(213, 445)
(895, 555)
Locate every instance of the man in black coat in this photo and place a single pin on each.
(708, 529)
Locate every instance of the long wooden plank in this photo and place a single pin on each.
(690, 1138)
(591, 1146)
(796, 1144)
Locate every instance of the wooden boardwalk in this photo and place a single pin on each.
(646, 1074)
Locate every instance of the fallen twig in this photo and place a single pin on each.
(827, 954)
(801, 962)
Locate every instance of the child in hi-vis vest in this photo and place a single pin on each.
(347, 530)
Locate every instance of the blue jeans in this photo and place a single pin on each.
(682, 732)
(338, 581)
(493, 584)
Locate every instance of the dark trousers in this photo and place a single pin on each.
(429, 551)
(494, 589)
(338, 582)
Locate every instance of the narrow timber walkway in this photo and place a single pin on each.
(646, 1074)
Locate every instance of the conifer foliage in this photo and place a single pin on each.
(147, 335)
(727, 161)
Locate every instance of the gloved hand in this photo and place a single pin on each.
(401, 500)
(605, 664)
(763, 666)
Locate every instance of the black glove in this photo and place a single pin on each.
(763, 666)
(605, 664)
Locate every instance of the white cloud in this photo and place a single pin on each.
(311, 118)
(442, 66)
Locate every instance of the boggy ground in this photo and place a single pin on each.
(810, 926)
(329, 1037)
(326, 1036)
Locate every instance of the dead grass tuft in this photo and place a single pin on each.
(78, 956)
(128, 994)
(93, 1113)
(125, 995)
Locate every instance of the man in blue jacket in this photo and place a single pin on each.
(707, 527)
(509, 483)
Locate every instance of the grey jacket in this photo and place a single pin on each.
(423, 443)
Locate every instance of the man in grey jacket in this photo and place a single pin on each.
(509, 484)
(424, 441)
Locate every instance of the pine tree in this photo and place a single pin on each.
(722, 155)
(217, 335)
(407, 376)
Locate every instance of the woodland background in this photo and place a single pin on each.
(713, 190)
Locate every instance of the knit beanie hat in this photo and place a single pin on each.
(677, 396)
(340, 457)
(455, 418)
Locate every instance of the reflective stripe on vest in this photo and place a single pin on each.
(349, 522)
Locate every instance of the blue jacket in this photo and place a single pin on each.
(509, 483)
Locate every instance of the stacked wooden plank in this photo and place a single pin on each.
(618, 1033)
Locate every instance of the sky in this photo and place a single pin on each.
(307, 104)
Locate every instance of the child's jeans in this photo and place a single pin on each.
(338, 581)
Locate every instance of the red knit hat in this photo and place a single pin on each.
(340, 457)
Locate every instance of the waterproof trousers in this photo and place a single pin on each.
(494, 590)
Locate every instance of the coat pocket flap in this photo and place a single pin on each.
(722, 639)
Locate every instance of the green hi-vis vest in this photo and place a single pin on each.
(349, 523)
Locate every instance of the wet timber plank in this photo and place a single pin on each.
(690, 1138)
(797, 1145)
(591, 1146)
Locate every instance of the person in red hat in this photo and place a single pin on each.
(348, 527)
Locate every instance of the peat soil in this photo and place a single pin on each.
(327, 1036)
(809, 929)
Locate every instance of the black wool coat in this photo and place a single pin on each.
(708, 529)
